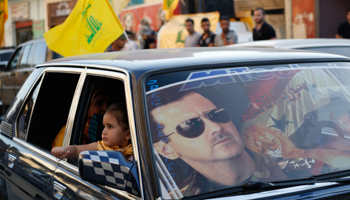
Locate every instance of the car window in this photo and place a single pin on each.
(46, 109)
(39, 53)
(5, 56)
(14, 61)
(25, 59)
(97, 96)
(215, 129)
(345, 51)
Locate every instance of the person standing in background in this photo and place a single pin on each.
(344, 28)
(262, 30)
(227, 36)
(118, 44)
(207, 38)
(192, 39)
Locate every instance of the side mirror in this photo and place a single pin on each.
(109, 168)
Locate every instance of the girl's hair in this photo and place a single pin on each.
(120, 113)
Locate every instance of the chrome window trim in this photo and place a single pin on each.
(31, 113)
(41, 77)
(73, 109)
(100, 67)
(32, 148)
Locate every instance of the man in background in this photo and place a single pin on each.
(227, 36)
(118, 44)
(262, 30)
(207, 38)
(192, 39)
(344, 28)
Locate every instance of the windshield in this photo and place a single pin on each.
(221, 128)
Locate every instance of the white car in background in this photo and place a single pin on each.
(327, 45)
(240, 28)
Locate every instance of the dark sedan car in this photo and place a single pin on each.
(20, 65)
(204, 122)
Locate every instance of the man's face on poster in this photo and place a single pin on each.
(128, 21)
(218, 141)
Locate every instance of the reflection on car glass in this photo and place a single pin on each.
(282, 125)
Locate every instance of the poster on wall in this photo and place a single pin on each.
(20, 11)
(304, 25)
(38, 29)
(132, 17)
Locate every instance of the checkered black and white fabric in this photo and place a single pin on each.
(108, 168)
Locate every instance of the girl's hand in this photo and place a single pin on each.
(60, 152)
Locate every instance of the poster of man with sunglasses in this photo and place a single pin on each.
(204, 137)
(203, 134)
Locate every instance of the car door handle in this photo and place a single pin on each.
(11, 160)
(58, 189)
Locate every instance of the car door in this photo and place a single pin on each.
(66, 178)
(25, 66)
(30, 164)
(7, 78)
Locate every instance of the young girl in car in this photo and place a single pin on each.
(115, 136)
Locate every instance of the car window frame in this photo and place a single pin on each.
(18, 49)
(29, 58)
(121, 75)
(32, 64)
(36, 83)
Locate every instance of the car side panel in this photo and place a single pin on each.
(76, 188)
(29, 173)
(5, 143)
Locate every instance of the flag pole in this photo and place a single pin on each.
(127, 38)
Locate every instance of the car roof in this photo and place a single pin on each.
(32, 41)
(296, 43)
(140, 61)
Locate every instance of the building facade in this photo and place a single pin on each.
(25, 21)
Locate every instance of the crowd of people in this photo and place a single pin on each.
(262, 31)
(146, 37)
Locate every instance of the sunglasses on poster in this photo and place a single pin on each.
(194, 127)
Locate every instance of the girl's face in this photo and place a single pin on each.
(99, 105)
(113, 133)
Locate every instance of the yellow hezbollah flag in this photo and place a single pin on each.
(3, 18)
(90, 28)
(169, 6)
